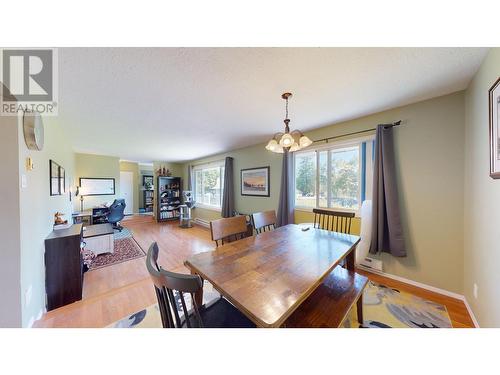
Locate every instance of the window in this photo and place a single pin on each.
(208, 184)
(337, 176)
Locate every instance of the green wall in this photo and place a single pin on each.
(482, 199)
(248, 157)
(430, 157)
(89, 165)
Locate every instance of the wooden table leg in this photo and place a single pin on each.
(360, 309)
(350, 260)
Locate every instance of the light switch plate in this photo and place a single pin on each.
(24, 181)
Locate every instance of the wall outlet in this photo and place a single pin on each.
(27, 295)
(475, 290)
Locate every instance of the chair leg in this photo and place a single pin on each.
(360, 310)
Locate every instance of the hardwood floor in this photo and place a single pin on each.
(110, 293)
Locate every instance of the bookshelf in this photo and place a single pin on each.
(169, 198)
(148, 193)
(148, 200)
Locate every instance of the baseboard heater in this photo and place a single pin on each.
(202, 222)
(373, 264)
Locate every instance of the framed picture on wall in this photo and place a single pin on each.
(255, 182)
(494, 115)
(97, 186)
(54, 183)
(147, 182)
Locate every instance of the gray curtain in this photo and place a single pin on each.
(228, 194)
(286, 202)
(387, 230)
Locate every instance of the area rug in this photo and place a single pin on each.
(125, 233)
(125, 249)
(150, 317)
(383, 307)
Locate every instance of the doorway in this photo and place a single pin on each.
(127, 191)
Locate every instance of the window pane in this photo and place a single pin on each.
(211, 186)
(198, 186)
(305, 180)
(323, 179)
(344, 178)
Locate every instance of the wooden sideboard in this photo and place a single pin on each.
(63, 266)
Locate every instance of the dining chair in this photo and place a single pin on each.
(335, 221)
(170, 288)
(263, 221)
(228, 229)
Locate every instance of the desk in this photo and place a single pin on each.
(268, 276)
(84, 217)
(96, 215)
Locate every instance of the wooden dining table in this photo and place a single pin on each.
(269, 275)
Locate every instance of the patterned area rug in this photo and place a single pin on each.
(150, 317)
(125, 248)
(383, 307)
(125, 233)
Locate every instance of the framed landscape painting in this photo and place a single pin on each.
(255, 182)
(494, 115)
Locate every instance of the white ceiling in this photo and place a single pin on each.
(178, 104)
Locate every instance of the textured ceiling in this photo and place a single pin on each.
(177, 104)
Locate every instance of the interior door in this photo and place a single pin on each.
(127, 191)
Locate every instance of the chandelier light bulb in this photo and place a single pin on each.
(304, 141)
(294, 147)
(287, 140)
(272, 145)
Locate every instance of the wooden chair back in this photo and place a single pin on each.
(228, 229)
(170, 288)
(335, 221)
(263, 221)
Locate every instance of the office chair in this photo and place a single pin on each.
(115, 214)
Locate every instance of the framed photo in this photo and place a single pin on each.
(494, 107)
(54, 177)
(147, 180)
(255, 182)
(97, 186)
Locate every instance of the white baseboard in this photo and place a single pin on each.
(431, 288)
(203, 223)
(471, 313)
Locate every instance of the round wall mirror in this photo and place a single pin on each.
(33, 130)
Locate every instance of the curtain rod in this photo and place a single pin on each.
(396, 123)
